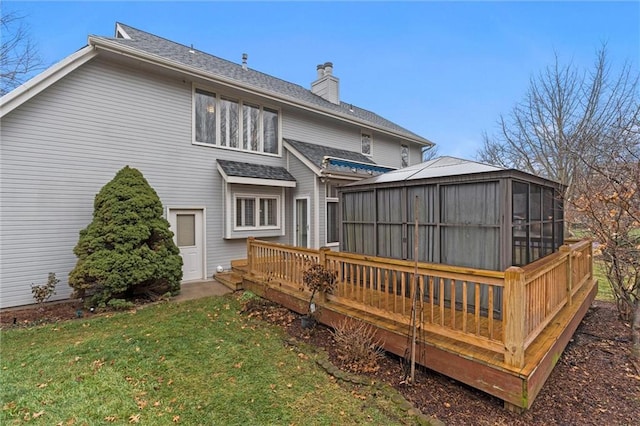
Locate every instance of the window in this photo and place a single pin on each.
(404, 155)
(333, 226)
(268, 212)
(228, 123)
(366, 144)
(265, 216)
(205, 117)
(235, 124)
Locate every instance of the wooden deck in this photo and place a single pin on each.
(500, 332)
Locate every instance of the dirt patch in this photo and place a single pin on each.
(593, 383)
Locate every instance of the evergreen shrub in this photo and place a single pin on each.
(128, 249)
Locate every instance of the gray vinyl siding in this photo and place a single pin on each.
(306, 127)
(62, 146)
(305, 187)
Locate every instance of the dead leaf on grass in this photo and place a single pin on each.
(176, 419)
(38, 414)
(134, 418)
(110, 419)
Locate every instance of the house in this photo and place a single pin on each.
(232, 153)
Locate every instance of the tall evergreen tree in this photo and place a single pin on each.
(128, 248)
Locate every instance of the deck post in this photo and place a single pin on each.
(569, 276)
(250, 241)
(514, 326)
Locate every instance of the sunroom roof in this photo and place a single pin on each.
(438, 167)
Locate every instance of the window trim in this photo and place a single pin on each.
(256, 198)
(241, 102)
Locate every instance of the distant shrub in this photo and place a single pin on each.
(128, 248)
(42, 293)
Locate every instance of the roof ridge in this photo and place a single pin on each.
(235, 64)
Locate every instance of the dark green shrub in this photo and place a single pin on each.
(120, 304)
(127, 249)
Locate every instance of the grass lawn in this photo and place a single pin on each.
(194, 363)
(604, 288)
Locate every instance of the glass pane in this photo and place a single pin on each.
(270, 130)
(268, 212)
(205, 117)
(404, 155)
(245, 212)
(547, 204)
(366, 144)
(228, 123)
(332, 222)
(250, 116)
(186, 230)
(535, 202)
(520, 191)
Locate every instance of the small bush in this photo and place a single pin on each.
(120, 304)
(357, 346)
(42, 293)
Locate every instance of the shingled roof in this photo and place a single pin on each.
(133, 38)
(316, 153)
(254, 171)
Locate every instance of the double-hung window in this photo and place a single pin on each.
(256, 212)
(234, 123)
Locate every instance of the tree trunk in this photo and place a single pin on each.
(635, 335)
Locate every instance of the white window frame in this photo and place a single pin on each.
(328, 200)
(240, 102)
(256, 198)
(362, 136)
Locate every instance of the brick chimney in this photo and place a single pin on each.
(327, 85)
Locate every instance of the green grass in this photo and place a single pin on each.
(604, 288)
(194, 363)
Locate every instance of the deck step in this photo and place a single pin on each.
(230, 279)
(240, 266)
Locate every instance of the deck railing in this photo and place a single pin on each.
(500, 311)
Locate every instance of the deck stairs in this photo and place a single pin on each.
(233, 278)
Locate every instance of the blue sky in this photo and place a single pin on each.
(444, 70)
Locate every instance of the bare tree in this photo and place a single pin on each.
(429, 152)
(583, 129)
(19, 58)
(607, 202)
(563, 113)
